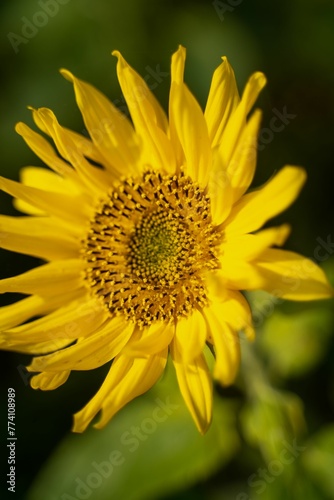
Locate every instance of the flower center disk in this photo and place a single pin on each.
(159, 247)
(148, 246)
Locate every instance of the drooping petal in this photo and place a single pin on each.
(127, 378)
(192, 132)
(292, 276)
(222, 101)
(190, 336)
(195, 385)
(111, 132)
(37, 236)
(148, 117)
(237, 313)
(153, 340)
(78, 319)
(249, 213)
(32, 347)
(232, 306)
(226, 343)
(60, 276)
(90, 352)
(49, 381)
(19, 312)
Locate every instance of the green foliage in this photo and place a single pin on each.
(139, 456)
(318, 459)
(295, 343)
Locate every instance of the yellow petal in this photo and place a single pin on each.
(127, 379)
(110, 130)
(177, 73)
(222, 100)
(177, 65)
(62, 275)
(93, 178)
(90, 352)
(195, 385)
(32, 347)
(37, 236)
(241, 167)
(190, 336)
(85, 145)
(148, 117)
(76, 320)
(292, 276)
(153, 340)
(192, 132)
(49, 381)
(250, 246)
(240, 275)
(220, 190)
(20, 311)
(237, 121)
(72, 210)
(226, 343)
(47, 180)
(43, 149)
(254, 209)
(25, 309)
(233, 306)
(227, 183)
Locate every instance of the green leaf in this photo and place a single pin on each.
(150, 448)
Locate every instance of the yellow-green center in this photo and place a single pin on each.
(159, 247)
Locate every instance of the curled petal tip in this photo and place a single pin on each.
(116, 53)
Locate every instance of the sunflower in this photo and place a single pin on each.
(148, 239)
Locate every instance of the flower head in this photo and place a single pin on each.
(148, 238)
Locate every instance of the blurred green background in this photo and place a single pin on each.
(283, 399)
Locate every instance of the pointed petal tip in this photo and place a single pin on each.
(181, 50)
(66, 74)
(203, 427)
